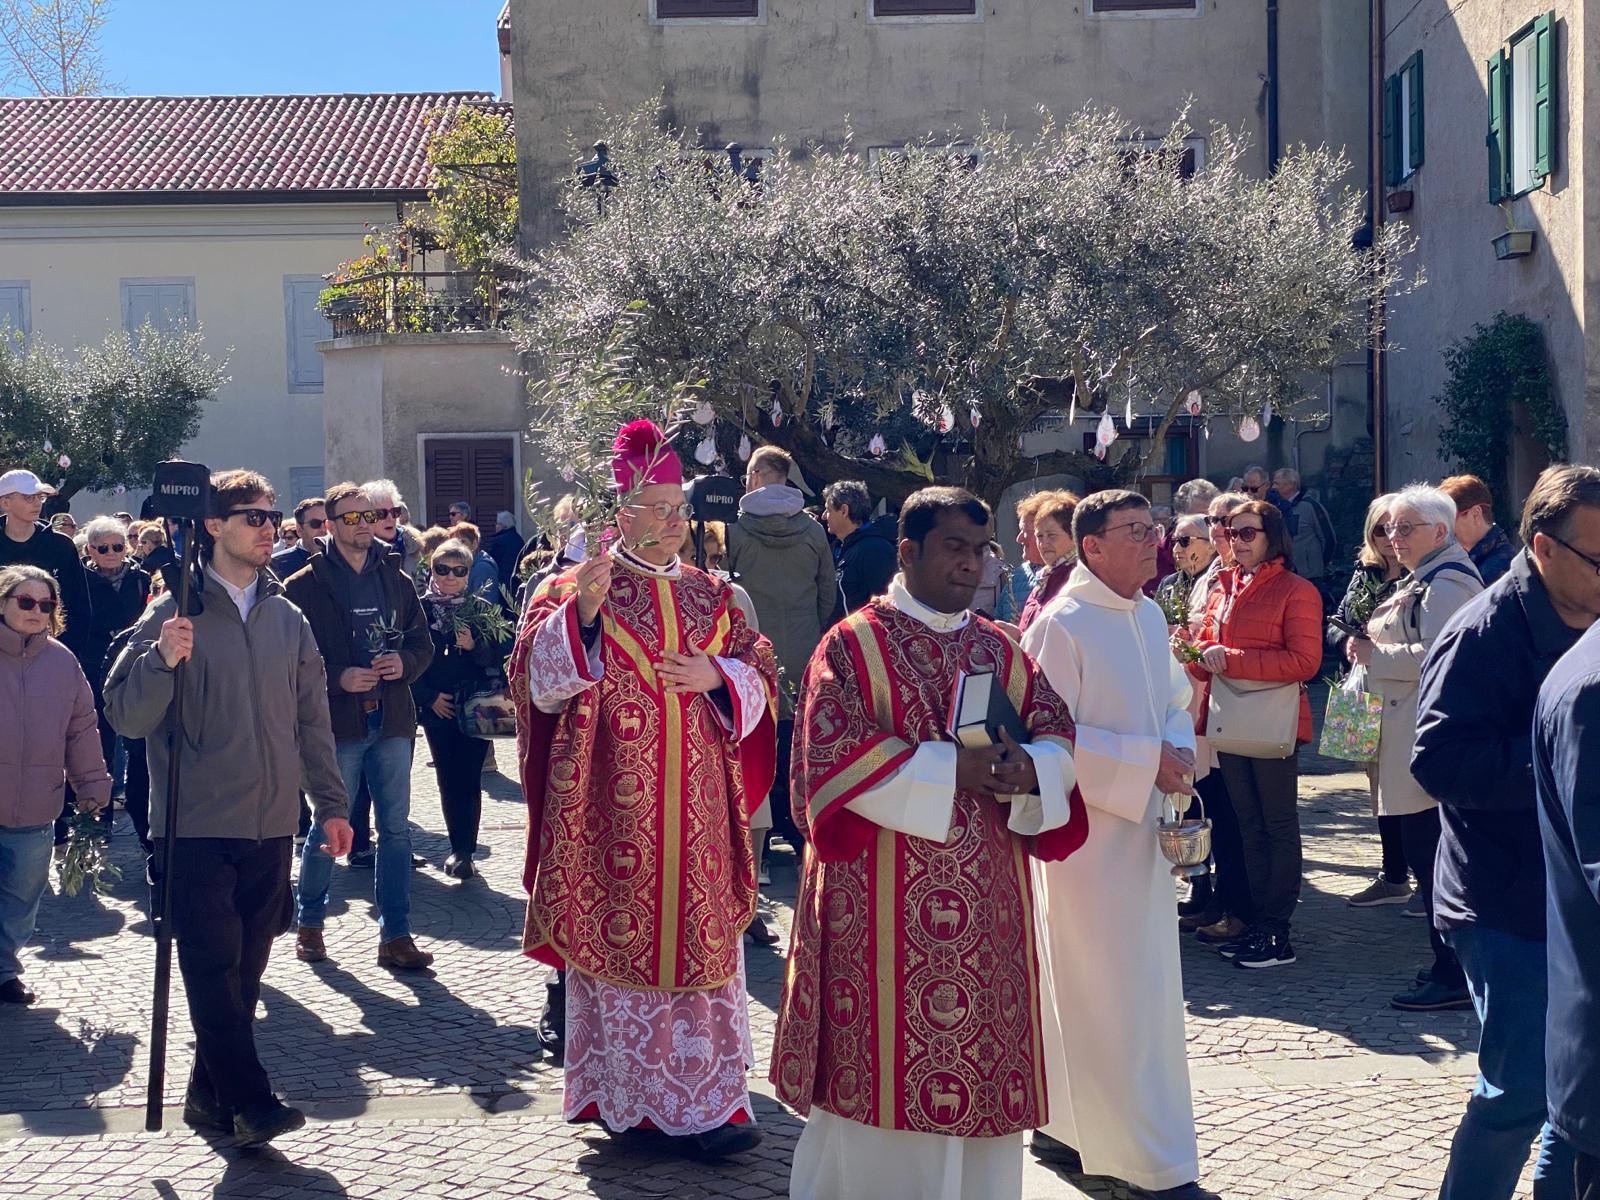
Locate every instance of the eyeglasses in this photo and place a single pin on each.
(313, 523)
(665, 511)
(28, 604)
(1403, 530)
(1593, 562)
(109, 548)
(370, 515)
(458, 572)
(1138, 531)
(256, 517)
(1245, 533)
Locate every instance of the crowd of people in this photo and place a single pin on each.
(1142, 663)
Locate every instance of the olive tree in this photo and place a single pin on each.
(102, 415)
(871, 314)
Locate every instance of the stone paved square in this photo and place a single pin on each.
(432, 1085)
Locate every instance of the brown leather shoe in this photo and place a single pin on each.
(308, 946)
(402, 955)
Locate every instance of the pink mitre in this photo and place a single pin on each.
(641, 457)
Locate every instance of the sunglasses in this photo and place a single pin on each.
(370, 515)
(1183, 539)
(28, 604)
(1245, 533)
(458, 572)
(256, 517)
(109, 548)
(1260, 487)
(1215, 521)
(313, 523)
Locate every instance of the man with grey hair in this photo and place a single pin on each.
(505, 546)
(1194, 497)
(866, 552)
(1315, 545)
(1112, 987)
(387, 503)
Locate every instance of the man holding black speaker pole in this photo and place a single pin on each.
(253, 722)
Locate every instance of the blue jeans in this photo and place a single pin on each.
(24, 872)
(385, 763)
(1507, 1111)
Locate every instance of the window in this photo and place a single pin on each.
(1522, 111)
(924, 8)
(677, 10)
(16, 310)
(303, 482)
(164, 304)
(1191, 161)
(305, 326)
(1144, 6)
(959, 153)
(1402, 122)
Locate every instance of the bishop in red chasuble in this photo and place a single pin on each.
(909, 1029)
(646, 739)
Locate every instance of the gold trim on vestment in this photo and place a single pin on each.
(877, 676)
(672, 792)
(1031, 954)
(886, 900)
(853, 775)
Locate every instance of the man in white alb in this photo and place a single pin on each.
(1113, 991)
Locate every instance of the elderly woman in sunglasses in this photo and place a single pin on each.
(1263, 623)
(1440, 579)
(1193, 553)
(118, 591)
(50, 735)
(461, 655)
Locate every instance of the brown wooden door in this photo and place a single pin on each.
(477, 470)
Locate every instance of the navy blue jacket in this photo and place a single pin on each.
(1493, 554)
(1566, 759)
(1474, 752)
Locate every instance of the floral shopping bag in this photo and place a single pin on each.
(1353, 720)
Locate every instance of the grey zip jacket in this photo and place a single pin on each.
(255, 716)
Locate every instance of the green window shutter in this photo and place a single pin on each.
(1498, 140)
(1391, 131)
(1415, 115)
(1544, 95)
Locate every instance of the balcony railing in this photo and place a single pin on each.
(417, 302)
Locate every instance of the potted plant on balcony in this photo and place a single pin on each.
(1514, 242)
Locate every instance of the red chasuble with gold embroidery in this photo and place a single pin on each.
(912, 997)
(639, 865)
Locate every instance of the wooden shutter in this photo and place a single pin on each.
(1544, 95)
(477, 470)
(305, 326)
(15, 314)
(1391, 131)
(924, 8)
(168, 305)
(670, 9)
(1415, 115)
(1498, 140)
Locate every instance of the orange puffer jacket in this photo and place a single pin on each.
(1271, 625)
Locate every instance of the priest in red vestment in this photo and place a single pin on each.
(645, 737)
(909, 1028)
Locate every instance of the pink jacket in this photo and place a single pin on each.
(48, 730)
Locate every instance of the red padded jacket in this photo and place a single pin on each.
(1270, 623)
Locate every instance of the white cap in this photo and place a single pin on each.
(24, 483)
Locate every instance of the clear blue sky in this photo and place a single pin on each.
(194, 47)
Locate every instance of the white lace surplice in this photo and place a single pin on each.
(676, 1059)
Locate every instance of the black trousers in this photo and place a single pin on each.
(1586, 1176)
(1266, 800)
(1232, 882)
(782, 812)
(1396, 862)
(1420, 834)
(458, 763)
(230, 898)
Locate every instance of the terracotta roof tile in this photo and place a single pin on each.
(87, 145)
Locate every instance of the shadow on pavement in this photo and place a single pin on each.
(269, 1172)
(64, 1067)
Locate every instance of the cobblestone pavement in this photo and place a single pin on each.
(431, 1085)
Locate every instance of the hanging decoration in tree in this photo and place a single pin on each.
(1192, 402)
(1106, 432)
(745, 449)
(1100, 452)
(975, 417)
(706, 452)
(119, 489)
(704, 414)
(568, 474)
(1127, 408)
(947, 419)
(1249, 430)
(776, 413)
(877, 447)
(1266, 414)
(49, 446)
(64, 462)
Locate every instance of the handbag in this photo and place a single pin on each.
(1353, 720)
(1252, 718)
(484, 708)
